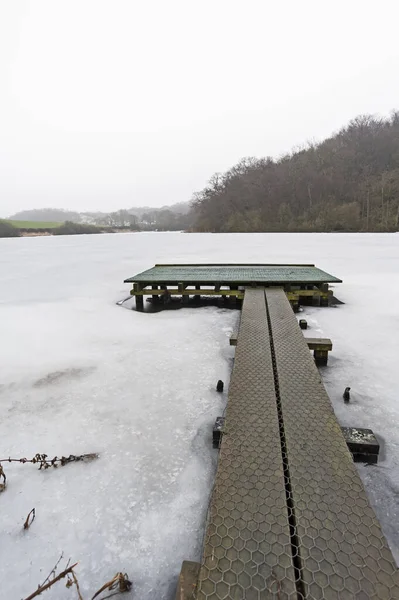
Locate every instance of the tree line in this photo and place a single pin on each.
(167, 218)
(68, 228)
(349, 182)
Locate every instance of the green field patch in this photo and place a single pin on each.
(34, 224)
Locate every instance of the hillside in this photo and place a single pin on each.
(47, 215)
(181, 208)
(349, 182)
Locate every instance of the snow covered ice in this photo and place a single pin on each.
(80, 374)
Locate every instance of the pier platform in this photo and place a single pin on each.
(289, 518)
(304, 284)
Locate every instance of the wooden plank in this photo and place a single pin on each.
(187, 580)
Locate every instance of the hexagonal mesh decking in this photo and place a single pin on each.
(289, 517)
(240, 274)
(248, 546)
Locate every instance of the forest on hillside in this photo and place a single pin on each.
(349, 182)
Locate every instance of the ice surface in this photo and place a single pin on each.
(80, 374)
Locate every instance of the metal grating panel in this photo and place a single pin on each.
(247, 553)
(344, 554)
(241, 274)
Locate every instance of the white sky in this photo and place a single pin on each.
(107, 104)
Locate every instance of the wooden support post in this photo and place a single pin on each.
(198, 297)
(294, 301)
(140, 303)
(316, 300)
(324, 297)
(321, 357)
(166, 296)
(305, 299)
(321, 348)
(155, 297)
(362, 444)
(137, 287)
(239, 300)
(184, 299)
(233, 299)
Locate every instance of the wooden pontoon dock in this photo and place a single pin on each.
(302, 283)
(289, 518)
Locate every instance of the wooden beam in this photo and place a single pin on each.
(319, 344)
(315, 292)
(176, 292)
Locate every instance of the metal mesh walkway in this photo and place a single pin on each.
(289, 518)
(247, 551)
(343, 552)
(224, 274)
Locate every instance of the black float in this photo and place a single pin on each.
(217, 431)
(362, 444)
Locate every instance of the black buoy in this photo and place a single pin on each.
(346, 394)
(219, 386)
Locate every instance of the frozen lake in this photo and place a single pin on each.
(79, 374)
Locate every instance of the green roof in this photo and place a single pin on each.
(233, 273)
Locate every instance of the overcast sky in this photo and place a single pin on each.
(107, 104)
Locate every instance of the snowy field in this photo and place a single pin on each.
(80, 374)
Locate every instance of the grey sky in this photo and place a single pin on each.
(114, 103)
